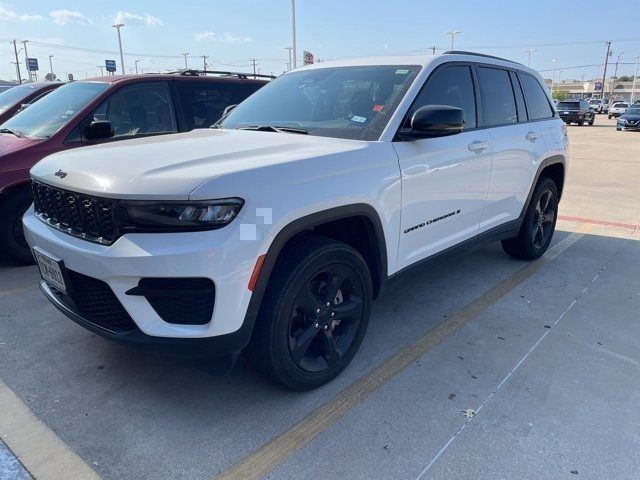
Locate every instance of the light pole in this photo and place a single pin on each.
(101, 70)
(615, 75)
(453, 34)
(118, 26)
(289, 49)
(15, 50)
(26, 58)
(185, 55)
(51, 66)
(633, 85)
(293, 33)
(553, 77)
(136, 63)
(204, 62)
(529, 51)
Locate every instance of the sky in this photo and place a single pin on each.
(80, 36)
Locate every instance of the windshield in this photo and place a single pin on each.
(45, 117)
(342, 102)
(621, 105)
(594, 102)
(569, 105)
(15, 95)
(633, 111)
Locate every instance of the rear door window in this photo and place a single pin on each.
(569, 106)
(498, 101)
(203, 102)
(537, 100)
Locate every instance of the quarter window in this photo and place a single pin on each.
(451, 86)
(537, 101)
(498, 102)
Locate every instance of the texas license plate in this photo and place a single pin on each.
(51, 269)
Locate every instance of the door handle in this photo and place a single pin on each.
(478, 146)
(532, 136)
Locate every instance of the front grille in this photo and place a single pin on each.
(86, 216)
(94, 301)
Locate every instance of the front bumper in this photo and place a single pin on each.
(218, 255)
(627, 126)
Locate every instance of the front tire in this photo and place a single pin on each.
(314, 315)
(13, 245)
(593, 119)
(538, 225)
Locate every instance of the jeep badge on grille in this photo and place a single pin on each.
(60, 174)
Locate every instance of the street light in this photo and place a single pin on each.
(26, 58)
(51, 66)
(633, 85)
(453, 34)
(293, 33)
(101, 70)
(615, 75)
(529, 51)
(118, 26)
(186, 67)
(136, 62)
(553, 77)
(289, 49)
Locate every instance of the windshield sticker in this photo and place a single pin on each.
(377, 108)
(402, 71)
(359, 119)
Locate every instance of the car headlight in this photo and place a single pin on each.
(167, 216)
(622, 120)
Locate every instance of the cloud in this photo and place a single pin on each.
(63, 17)
(226, 38)
(8, 14)
(135, 20)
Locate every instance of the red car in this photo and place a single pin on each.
(13, 99)
(98, 110)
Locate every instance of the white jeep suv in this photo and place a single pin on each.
(274, 230)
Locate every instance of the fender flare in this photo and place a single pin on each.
(305, 223)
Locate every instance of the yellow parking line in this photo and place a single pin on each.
(39, 449)
(262, 460)
(13, 291)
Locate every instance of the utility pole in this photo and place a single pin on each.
(204, 62)
(118, 26)
(293, 34)
(433, 50)
(15, 50)
(186, 67)
(633, 85)
(615, 74)
(26, 56)
(136, 64)
(529, 51)
(453, 34)
(553, 77)
(289, 49)
(101, 70)
(254, 62)
(604, 74)
(51, 66)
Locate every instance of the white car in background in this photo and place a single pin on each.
(599, 106)
(617, 109)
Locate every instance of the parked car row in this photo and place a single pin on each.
(100, 110)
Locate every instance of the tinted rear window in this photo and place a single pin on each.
(498, 102)
(569, 105)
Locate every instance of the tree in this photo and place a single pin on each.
(560, 95)
(50, 77)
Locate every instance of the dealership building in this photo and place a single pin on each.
(593, 89)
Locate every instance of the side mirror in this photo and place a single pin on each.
(228, 109)
(98, 130)
(436, 120)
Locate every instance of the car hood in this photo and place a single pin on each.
(10, 143)
(633, 118)
(170, 167)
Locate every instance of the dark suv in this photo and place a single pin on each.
(101, 110)
(576, 111)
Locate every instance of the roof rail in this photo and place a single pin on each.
(463, 52)
(198, 73)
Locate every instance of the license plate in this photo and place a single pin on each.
(566, 113)
(50, 269)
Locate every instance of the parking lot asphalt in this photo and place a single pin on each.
(542, 357)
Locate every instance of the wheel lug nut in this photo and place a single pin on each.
(328, 304)
(317, 325)
(333, 314)
(326, 327)
(318, 310)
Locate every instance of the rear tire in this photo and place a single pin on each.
(314, 314)
(609, 117)
(593, 119)
(538, 225)
(580, 122)
(13, 245)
